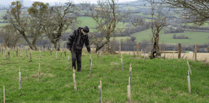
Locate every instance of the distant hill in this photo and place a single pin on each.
(138, 2)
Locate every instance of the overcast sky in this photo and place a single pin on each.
(78, 1)
(52, 2)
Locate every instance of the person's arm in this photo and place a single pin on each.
(87, 44)
(71, 40)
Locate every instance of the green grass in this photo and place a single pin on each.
(195, 37)
(154, 80)
(141, 14)
(87, 21)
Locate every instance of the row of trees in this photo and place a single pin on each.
(53, 21)
(40, 19)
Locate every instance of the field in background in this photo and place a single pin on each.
(195, 37)
(200, 56)
(191, 24)
(155, 80)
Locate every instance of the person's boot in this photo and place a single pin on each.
(78, 70)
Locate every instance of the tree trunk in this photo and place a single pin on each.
(29, 44)
(56, 46)
(156, 47)
(34, 44)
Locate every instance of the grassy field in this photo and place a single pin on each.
(154, 80)
(129, 8)
(195, 37)
(88, 21)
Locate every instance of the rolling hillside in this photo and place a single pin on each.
(195, 37)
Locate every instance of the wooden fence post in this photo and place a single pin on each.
(92, 47)
(4, 93)
(159, 47)
(100, 92)
(65, 47)
(105, 47)
(120, 47)
(137, 46)
(19, 79)
(179, 50)
(195, 51)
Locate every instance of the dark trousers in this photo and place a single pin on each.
(76, 57)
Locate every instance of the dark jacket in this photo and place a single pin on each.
(77, 39)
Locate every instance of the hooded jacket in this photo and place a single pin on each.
(76, 41)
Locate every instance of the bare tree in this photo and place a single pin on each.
(156, 25)
(57, 20)
(17, 18)
(194, 10)
(9, 36)
(36, 14)
(107, 15)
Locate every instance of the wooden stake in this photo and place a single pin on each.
(39, 53)
(90, 66)
(189, 85)
(56, 56)
(100, 92)
(137, 46)
(65, 47)
(141, 52)
(189, 67)
(144, 55)
(39, 70)
(129, 93)
(19, 79)
(30, 56)
(100, 56)
(164, 55)
(121, 62)
(120, 47)
(195, 51)
(74, 82)
(130, 71)
(4, 93)
(179, 50)
(61, 52)
(105, 47)
(69, 60)
(159, 47)
(9, 54)
(173, 55)
(21, 53)
(26, 52)
(92, 47)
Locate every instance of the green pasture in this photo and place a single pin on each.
(156, 80)
(194, 37)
